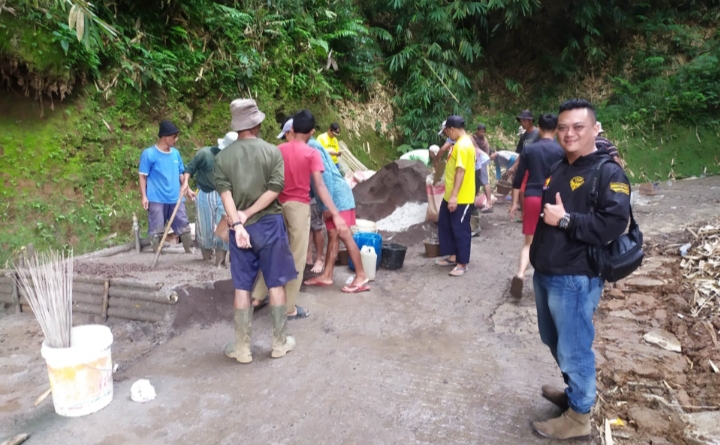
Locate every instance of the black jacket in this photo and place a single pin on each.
(537, 158)
(564, 252)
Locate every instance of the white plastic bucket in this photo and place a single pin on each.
(81, 375)
(364, 225)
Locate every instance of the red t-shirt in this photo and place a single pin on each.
(301, 161)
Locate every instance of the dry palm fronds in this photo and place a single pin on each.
(701, 268)
(46, 281)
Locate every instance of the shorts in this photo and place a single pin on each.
(531, 214)
(481, 178)
(347, 215)
(316, 219)
(159, 214)
(270, 253)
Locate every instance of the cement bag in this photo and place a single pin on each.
(435, 194)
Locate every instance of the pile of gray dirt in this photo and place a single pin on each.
(391, 187)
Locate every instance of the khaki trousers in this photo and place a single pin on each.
(297, 222)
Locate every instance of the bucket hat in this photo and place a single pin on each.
(525, 114)
(245, 114)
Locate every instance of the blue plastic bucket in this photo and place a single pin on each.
(368, 239)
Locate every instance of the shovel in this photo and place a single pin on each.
(167, 229)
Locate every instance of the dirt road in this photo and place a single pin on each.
(423, 358)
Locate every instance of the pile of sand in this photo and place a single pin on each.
(391, 187)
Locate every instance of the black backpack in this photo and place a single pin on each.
(622, 256)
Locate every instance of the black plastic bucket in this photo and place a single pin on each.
(393, 256)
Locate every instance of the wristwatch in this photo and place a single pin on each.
(564, 222)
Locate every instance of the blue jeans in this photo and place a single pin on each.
(498, 172)
(565, 307)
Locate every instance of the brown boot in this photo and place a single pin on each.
(282, 343)
(240, 349)
(206, 254)
(570, 425)
(556, 396)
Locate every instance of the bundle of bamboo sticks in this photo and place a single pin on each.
(348, 162)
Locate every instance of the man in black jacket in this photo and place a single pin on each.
(567, 290)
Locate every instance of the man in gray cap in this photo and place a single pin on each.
(249, 175)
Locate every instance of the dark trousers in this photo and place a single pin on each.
(454, 231)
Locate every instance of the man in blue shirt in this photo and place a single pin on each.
(161, 184)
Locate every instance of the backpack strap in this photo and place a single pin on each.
(594, 181)
(592, 197)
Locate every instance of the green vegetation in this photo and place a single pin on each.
(100, 76)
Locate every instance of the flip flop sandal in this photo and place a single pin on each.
(487, 210)
(445, 263)
(316, 282)
(301, 313)
(458, 271)
(355, 289)
(516, 287)
(264, 302)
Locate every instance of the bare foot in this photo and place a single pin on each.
(318, 266)
(318, 281)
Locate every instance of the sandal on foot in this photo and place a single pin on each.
(316, 282)
(362, 287)
(301, 313)
(487, 210)
(445, 262)
(458, 271)
(516, 287)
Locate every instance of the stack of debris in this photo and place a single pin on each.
(701, 269)
(391, 187)
(657, 346)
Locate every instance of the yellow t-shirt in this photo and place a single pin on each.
(330, 143)
(461, 155)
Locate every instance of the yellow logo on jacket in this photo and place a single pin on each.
(547, 183)
(576, 182)
(619, 187)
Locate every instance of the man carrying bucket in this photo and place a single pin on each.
(249, 175)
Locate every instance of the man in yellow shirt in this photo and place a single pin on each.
(455, 211)
(330, 143)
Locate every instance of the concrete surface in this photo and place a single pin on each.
(423, 358)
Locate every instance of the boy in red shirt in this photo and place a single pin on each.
(302, 164)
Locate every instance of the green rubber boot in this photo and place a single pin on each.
(186, 239)
(155, 243)
(206, 254)
(282, 343)
(240, 349)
